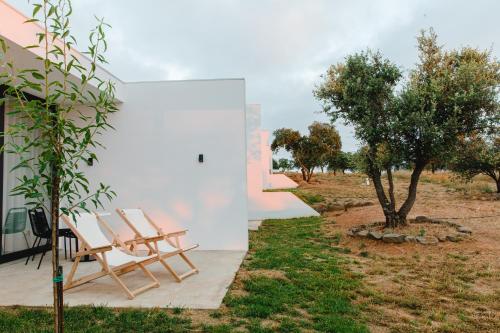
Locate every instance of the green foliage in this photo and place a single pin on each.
(275, 164)
(341, 161)
(62, 127)
(449, 95)
(478, 155)
(308, 151)
(52, 136)
(284, 164)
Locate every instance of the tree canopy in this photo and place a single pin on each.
(308, 151)
(448, 95)
(478, 155)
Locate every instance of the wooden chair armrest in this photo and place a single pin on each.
(152, 238)
(95, 250)
(176, 233)
(142, 240)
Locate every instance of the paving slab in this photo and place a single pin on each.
(254, 225)
(279, 181)
(25, 285)
(278, 205)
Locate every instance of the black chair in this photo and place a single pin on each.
(41, 229)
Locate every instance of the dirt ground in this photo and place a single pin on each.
(448, 287)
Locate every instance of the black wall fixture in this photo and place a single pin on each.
(200, 158)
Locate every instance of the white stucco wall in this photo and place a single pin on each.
(254, 162)
(151, 160)
(266, 159)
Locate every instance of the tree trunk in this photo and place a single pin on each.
(412, 192)
(391, 218)
(54, 215)
(309, 174)
(498, 185)
(391, 190)
(304, 176)
(334, 172)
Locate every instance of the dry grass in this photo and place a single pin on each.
(451, 287)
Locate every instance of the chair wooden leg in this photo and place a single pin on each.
(121, 284)
(188, 262)
(171, 270)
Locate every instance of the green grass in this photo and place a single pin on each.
(305, 288)
(312, 282)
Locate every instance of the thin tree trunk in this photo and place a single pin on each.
(391, 189)
(54, 214)
(310, 174)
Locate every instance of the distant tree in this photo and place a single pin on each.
(437, 164)
(447, 96)
(478, 155)
(275, 164)
(308, 151)
(285, 164)
(340, 161)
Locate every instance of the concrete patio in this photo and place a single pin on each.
(279, 181)
(205, 290)
(278, 205)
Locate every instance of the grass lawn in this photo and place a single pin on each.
(291, 281)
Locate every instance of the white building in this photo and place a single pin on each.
(261, 204)
(178, 152)
(190, 153)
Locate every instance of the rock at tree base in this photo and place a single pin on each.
(410, 239)
(421, 218)
(375, 235)
(393, 238)
(454, 238)
(429, 240)
(362, 233)
(464, 230)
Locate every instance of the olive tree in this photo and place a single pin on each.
(285, 164)
(61, 127)
(340, 161)
(447, 96)
(308, 151)
(478, 155)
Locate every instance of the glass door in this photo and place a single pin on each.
(18, 239)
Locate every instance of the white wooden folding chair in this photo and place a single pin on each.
(143, 226)
(112, 260)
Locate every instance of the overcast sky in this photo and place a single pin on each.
(280, 47)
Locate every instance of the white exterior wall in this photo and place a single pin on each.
(151, 160)
(254, 162)
(266, 159)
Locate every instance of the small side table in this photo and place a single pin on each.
(67, 233)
